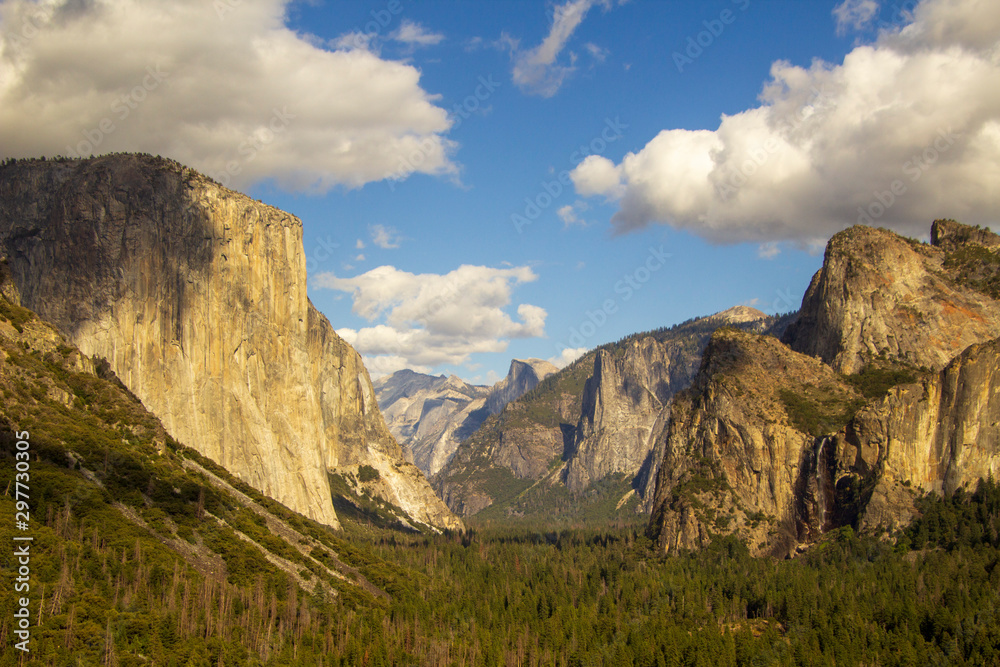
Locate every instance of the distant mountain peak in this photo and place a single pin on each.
(738, 315)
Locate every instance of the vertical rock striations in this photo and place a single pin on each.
(196, 295)
(738, 455)
(427, 414)
(935, 435)
(600, 418)
(523, 376)
(431, 416)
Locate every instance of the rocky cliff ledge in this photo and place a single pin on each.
(738, 455)
(935, 435)
(902, 397)
(196, 295)
(881, 294)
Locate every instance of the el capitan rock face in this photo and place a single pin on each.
(196, 295)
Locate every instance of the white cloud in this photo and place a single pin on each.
(432, 319)
(414, 34)
(359, 258)
(596, 52)
(537, 71)
(567, 356)
(388, 364)
(597, 175)
(384, 237)
(855, 14)
(233, 93)
(768, 250)
(918, 110)
(568, 215)
(360, 245)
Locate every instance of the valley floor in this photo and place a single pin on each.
(105, 592)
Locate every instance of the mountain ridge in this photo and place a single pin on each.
(562, 442)
(431, 415)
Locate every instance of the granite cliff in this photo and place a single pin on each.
(196, 296)
(588, 435)
(430, 416)
(886, 390)
(523, 376)
(879, 294)
(733, 454)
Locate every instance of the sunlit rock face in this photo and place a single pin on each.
(196, 295)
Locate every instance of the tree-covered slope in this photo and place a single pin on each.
(143, 551)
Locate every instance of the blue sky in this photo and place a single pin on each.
(486, 180)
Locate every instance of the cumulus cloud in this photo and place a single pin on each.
(234, 93)
(904, 130)
(414, 34)
(384, 237)
(567, 356)
(537, 71)
(855, 14)
(423, 320)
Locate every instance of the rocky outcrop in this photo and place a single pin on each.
(735, 459)
(879, 294)
(601, 417)
(523, 376)
(429, 415)
(779, 447)
(951, 236)
(936, 435)
(196, 296)
(525, 442)
(623, 405)
(626, 400)
(738, 459)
